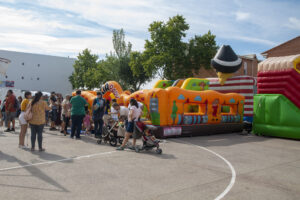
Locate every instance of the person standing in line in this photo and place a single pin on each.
(38, 107)
(98, 112)
(53, 105)
(23, 123)
(19, 101)
(66, 114)
(3, 112)
(46, 99)
(77, 114)
(10, 110)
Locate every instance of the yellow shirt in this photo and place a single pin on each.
(38, 113)
(24, 104)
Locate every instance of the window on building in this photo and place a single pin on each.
(23, 63)
(6, 76)
(245, 68)
(38, 78)
(39, 65)
(22, 77)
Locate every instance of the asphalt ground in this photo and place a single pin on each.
(228, 166)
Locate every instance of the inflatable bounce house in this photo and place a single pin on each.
(277, 104)
(188, 107)
(244, 85)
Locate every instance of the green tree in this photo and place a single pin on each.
(167, 52)
(84, 71)
(128, 69)
(139, 75)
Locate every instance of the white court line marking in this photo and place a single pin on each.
(233, 173)
(55, 161)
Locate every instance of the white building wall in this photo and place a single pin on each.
(36, 72)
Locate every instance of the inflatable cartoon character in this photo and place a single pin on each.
(226, 62)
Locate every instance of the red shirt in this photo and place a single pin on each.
(10, 100)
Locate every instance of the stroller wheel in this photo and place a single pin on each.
(113, 141)
(120, 140)
(99, 141)
(137, 149)
(158, 151)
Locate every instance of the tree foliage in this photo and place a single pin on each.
(166, 50)
(84, 69)
(120, 61)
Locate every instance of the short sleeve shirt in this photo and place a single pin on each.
(24, 104)
(136, 113)
(38, 113)
(10, 100)
(78, 104)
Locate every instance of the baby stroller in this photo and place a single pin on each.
(149, 142)
(110, 132)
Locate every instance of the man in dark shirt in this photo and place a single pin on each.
(98, 112)
(10, 110)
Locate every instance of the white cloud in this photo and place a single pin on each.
(294, 23)
(251, 39)
(241, 16)
(67, 28)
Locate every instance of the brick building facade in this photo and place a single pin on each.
(291, 47)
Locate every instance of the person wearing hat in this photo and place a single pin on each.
(98, 112)
(78, 104)
(226, 62)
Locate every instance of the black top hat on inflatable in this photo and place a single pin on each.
(226, 61)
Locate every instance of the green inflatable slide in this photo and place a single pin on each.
(275, 115)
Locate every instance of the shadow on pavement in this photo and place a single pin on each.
(34, 171)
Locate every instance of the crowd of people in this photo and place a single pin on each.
(36, 111)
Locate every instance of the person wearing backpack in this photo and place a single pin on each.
(98, 112)
(10, 110)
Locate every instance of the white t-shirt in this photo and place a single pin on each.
(114, 113)
(124, 111)
(136, 113)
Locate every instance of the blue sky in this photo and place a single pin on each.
(64, 28)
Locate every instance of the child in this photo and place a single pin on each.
(87, 122)
(150, 136)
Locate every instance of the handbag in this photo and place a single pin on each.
(28, 113)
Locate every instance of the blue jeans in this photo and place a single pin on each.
(76, 125)
(98, 127)
(37, 130)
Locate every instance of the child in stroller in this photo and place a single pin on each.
(112, 131)
(149, 141)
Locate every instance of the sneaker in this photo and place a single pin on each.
(120, 148)
(131, 147)
(42, 149)
(7, 130)
(22, 147)
(12, 129)
(32, 149)
(78, 138)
